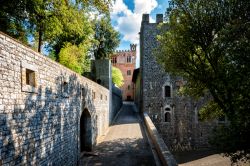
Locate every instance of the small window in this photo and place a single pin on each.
(101, 96)
(30, 77)
(167, 91)
(93, 94)
(129, 72)
(128, 87)
(129, 59)
(114, 60)
(106, 98)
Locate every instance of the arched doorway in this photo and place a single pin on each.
(85, 131)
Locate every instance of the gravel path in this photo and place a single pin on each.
(124, 145)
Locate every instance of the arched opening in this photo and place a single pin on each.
(167, 115)
(85, 131)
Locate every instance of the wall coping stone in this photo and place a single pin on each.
(163, 152)
(29, 49)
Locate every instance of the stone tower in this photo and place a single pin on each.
(176, 117)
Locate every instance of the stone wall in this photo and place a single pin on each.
(116, 101)
(41, 105)
(175, 116)
(137, 91)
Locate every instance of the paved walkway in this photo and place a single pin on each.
(124, 145)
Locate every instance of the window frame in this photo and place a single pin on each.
(129, 59)
(28, 70)
(167, 84)
(128, 72)
(167, 110)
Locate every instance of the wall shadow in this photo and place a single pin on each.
(122, 148)
(46, 131)
(123, 152)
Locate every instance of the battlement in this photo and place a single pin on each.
(132, 48)
(118, 51)
(145, 18)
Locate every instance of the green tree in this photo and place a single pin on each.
(12, 19)
(73, 57)
(117, 77)
(45, 20)
(207, 42)
(106, 38)
(63, 26)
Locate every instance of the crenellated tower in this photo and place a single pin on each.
(125, 60)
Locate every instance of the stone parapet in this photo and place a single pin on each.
(162, 150)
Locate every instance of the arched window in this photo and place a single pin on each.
(167, 115)
(167, 91)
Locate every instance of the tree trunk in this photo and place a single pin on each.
(40, 39)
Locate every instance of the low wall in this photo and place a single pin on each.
(116, 101)
(164, 154)
(41, 109)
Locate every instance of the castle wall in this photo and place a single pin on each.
(175, 116)
(41, 103)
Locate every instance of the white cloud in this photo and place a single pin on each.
(127, 22)
(142, 6)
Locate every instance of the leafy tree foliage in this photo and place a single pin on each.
(63, 26)
(73, 57)
(106, 38)
(207, 42)
(117, 77)
(12, 19)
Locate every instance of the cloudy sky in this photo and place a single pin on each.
(126, 17)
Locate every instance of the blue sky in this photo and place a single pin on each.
(126, 17)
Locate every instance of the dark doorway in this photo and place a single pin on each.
(85, 131)
(129, 98)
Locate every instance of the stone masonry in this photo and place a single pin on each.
(175, 116)
(41, 105)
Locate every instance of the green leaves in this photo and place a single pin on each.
(117, 77)
(207, 43)
(73, 57)
(106, 37)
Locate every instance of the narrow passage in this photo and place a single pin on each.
(125, 144)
